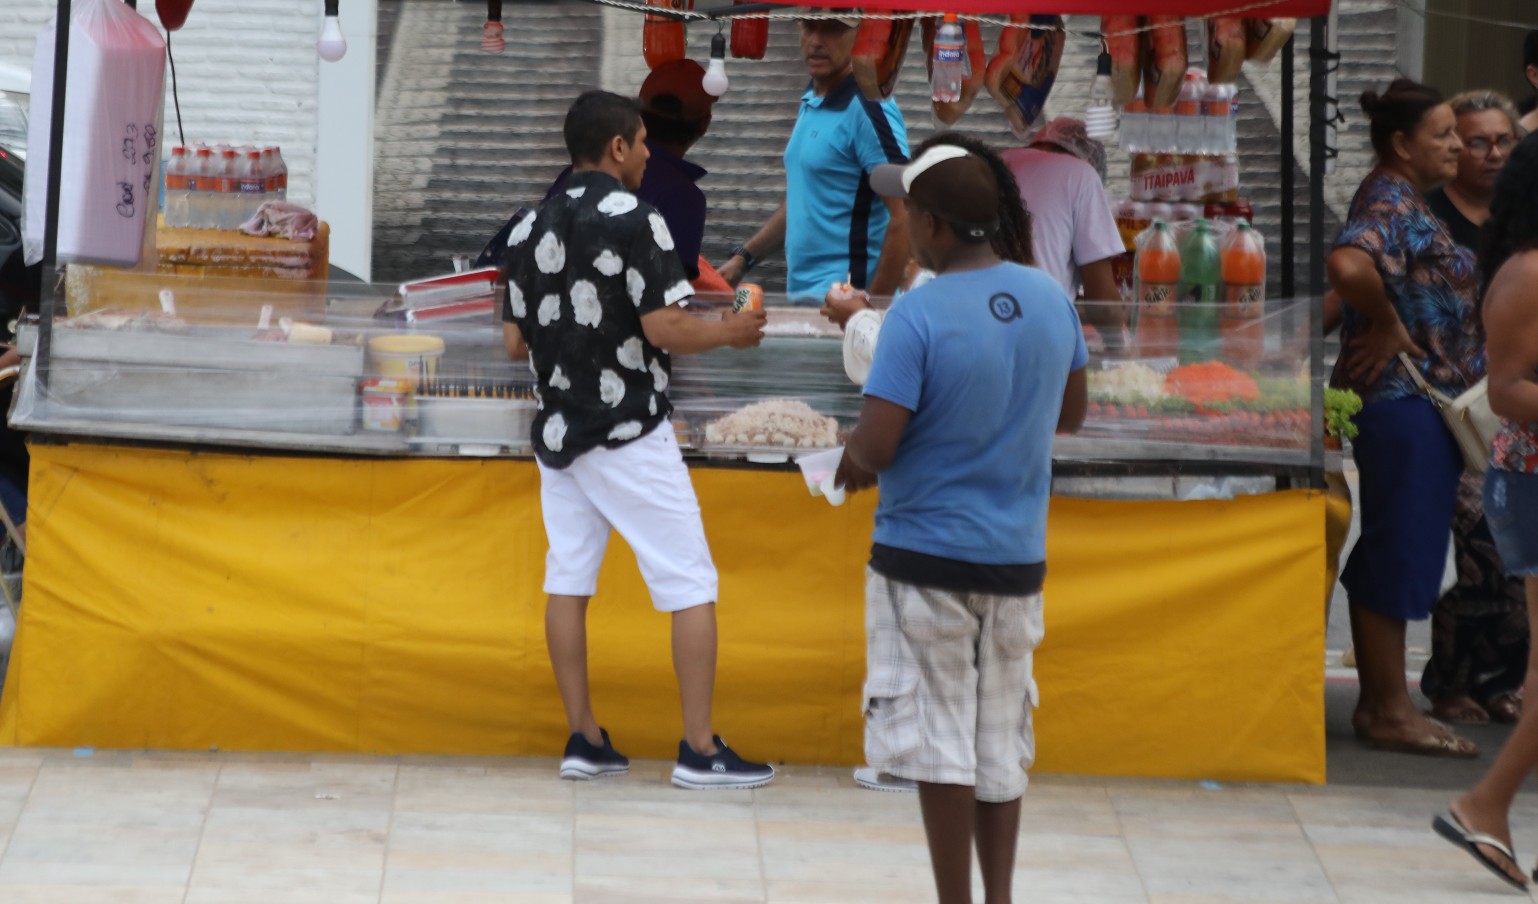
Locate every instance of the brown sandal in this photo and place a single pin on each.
(1504, 708)
(1434, 744)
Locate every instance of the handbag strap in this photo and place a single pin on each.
(1438, 399)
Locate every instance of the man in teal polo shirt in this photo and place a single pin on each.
(832, 225)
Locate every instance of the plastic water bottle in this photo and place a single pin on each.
(1220, 134)
(277, 173)
(227, 206)
(202, 185)
(251, 180)
(1161, 133)
(1190, 125)
(1134, 127)
(178, 214)
(949, 69)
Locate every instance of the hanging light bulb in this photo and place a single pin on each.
(331, 46)
(715, 81)
(1100, 116)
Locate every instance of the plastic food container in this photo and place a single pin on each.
(503, 422)
(409, 355)
(384, 403)
(819, 470)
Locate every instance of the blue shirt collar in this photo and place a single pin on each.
(837, 99)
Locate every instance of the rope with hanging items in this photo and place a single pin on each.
(797, 15)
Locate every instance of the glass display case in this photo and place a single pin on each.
(421, 369)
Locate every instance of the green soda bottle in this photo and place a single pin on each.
(1201, 275)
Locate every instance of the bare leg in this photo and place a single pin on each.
(1486, 806)
(566, 637)
(998, 828)
(950, 812)
(694, 662)
(1366, 701)
(1385, 712)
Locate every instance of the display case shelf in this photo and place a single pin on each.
(211, 377)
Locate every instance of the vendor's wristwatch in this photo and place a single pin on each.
(748, 260)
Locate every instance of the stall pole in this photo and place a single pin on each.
(1318, 157)
(55, 178)
(1318, 73)
(1289, 162)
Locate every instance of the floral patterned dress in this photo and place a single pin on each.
(1430, 280)
(1516, 447)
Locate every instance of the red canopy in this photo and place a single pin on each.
(1293, 8)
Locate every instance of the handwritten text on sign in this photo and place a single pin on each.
(140, 145)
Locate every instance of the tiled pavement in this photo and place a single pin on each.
(220, 827)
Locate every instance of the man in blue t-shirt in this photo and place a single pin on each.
(832, 225)
(974, 373)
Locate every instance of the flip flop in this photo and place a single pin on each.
(1453, 830)
(1448, 745)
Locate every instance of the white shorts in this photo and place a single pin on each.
(641, 489)
(948, 686)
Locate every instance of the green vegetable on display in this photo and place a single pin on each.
(1340, 405)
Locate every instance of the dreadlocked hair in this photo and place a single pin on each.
(1012, 240)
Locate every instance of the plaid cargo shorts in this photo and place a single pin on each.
(948, 686)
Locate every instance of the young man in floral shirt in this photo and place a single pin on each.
(594, 292)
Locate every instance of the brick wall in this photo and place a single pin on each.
(247, 73)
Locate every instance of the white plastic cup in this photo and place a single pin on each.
(819, 470)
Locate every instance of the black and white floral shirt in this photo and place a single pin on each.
(582, 272)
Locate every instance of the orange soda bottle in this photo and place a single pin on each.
(1158, 280)
(1242, 302)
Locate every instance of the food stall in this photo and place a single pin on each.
(320, 531)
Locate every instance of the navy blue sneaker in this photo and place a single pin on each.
(584, 760)
(724, 769)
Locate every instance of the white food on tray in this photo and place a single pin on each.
(783, 423)
(1129, 382)
(795, 328)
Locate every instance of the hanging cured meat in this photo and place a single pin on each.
(493, 38)
(1125, 45)
(173, 13)
(1165, 60)
(977, 62)
(879, 48)
(1021, 74)
(1264, 37)
(1225, 49)
(662, 37)
(750, 37)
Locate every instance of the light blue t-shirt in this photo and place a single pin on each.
(981, 358)
(835, 221)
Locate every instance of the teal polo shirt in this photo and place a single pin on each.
(835, 222)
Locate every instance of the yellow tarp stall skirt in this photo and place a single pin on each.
(194, 600)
